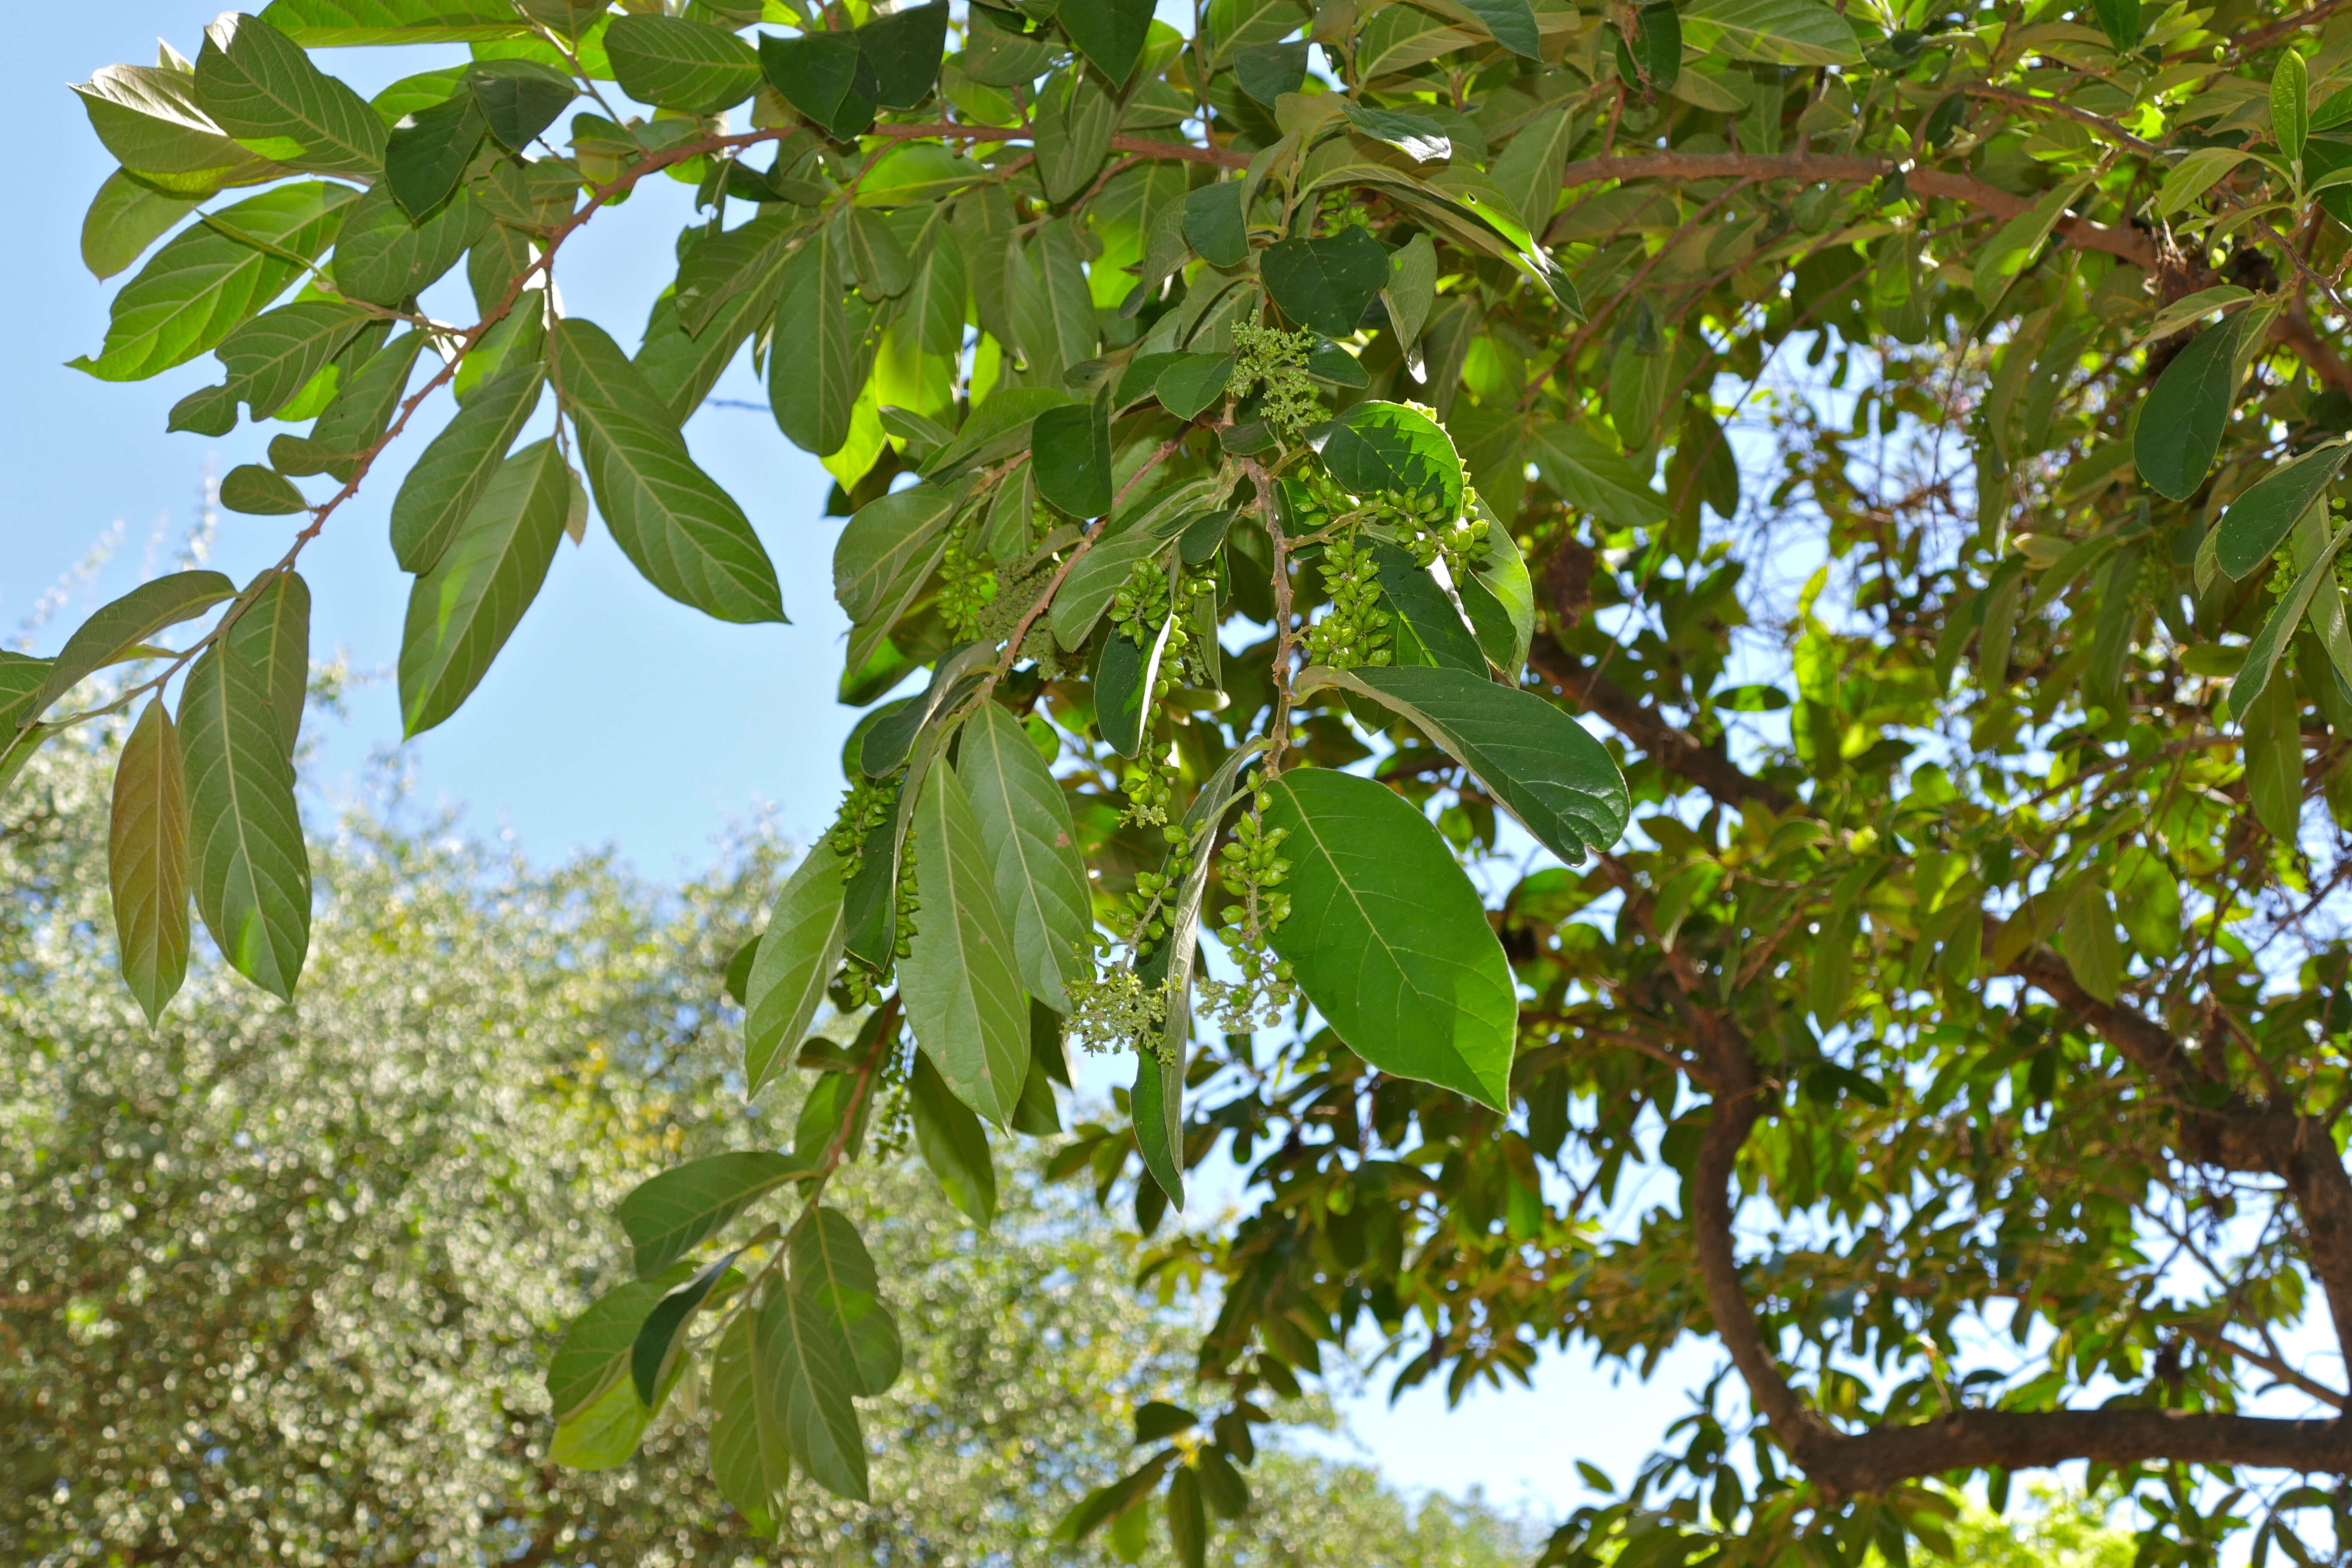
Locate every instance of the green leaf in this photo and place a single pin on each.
(594, 1358)
(1037, 1114)
(1512, 23)
(1188, 1520)
(813, 387)
(328, 24)
(960, 979)
(258, 85)
(1266, 72)
(362, 409)
(1116, 1501)
(1412, 288)
(2271, 723)
(1773, 32)
(428, 150)
(1545, 769)
(1069, 456)
(518, 100)
(670, 1214)
(1500, 597)
(2278, 629)
(456, 467)
(1123, 678)
(673, 62)
(797, 955)
(147, 862)
(1593, 477)
(1423, 140)
(884, 544)
(1040, 879)
(383, 257)
(115, 632)
(750, 1462)
(1326, 284)
(1388, 938)
(605, 1434)
(203, 282)
(903, 51)
(672, 520)
(1110, 33)
(745, 258)
(2258, 520)
(1387, 449)
(1099, 574)
(261, 493)
(240, 713)
(1654, 48)
(275, 355)
(804, 1372)
(2184, 413)
(1527, 168)
(953, 1143)
(833, 1275)
(2121, 21)
(1053, 315)
(146, 116)
(1191, 384)
(654, 1355)
(125, 219)
(1429, 629)
(997, 429)
(462, 610)
(2290, 103)
(827, 76)
(876, 255)
(682, 367)
(1073, 124)
(22, 677)
(1156, 1106)
(1214, 225)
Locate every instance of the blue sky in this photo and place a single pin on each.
(614, 717)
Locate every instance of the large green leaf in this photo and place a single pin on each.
(1069, 457)
(148, 118)
(657, 1355)
(797, 955)
(383, 256)
(328, 24)
(805, 1372)
(455, 468)
(1051, 311)
(1429, 629)
(1102, 571)
(812, 385)
(461, 612)
(2184, 413)
(361, 412)
(124, 219)
(258, 85)
(2258, 520)
(682, 366)
(1041, 882)
(961, 980)
(240, 713)
(833, 1275)
(1388, 938)
(1073, 120)
(750, 1463)
(884, 541)
(669, 1215)
(1512, 23)
(674, 62)
(903, 51)
(429, 150)
(743, 259)
(116, 631)
(205, 281)
(1326, 284)
(1387, 449)
(275, 355)
(1774, 32)
(147, 862)
(1544, 767)
(827, 76)
(1592, 476)
(954, 1144)
(1109, 33)
(594, 1355)
(671, 519)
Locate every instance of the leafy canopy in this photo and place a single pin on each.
(1913, 434)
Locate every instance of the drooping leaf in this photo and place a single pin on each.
(2184, 413)
(797, 955)
(961, 980)
(594, 1358)
(672, 520)
(1326, 284)
(1073, 120)
(1388, 938)
(835, 1276)
(116, 630)
(676, 62)
(2258, 520)
(462, 610)
(954, 1144)
(1040, 879)
(814, 388)
(456, 467)
(1544, 767)
(259, 86)
(147, 862)
(1156, 1103)
(743, 258)
(669, 1215)
(750, 1462)
(654, 1354)
(240, 714)
(804, 1372)
(2278, 628)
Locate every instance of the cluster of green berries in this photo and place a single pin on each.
(1149, 783)
(1276, 361)
(895, 1128)
(1115, 1011)
(1252, 872)
(1356, 629)
(967, 588)
(1139, 608)
(867, 804)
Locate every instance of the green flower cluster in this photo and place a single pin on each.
(1115, 1011)
(1276, 361)
(967, 588)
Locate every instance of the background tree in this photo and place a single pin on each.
(283, 1287)
(1974, 966)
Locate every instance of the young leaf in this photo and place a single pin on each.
(1387, 449)
(959, 978)
(673, 62)
(456, 467)
(240, 713)
(953, 1143)
(2184, 413)
(669, 1215)
(1389, 938)
(2290, 103)
(259, 86)
(797, 955)
(835, 1276)
(1326, 284)
(2258, 520)
(1110, 33)
(147, 862)
(1025, 821)
(750, 1463)
(1544, 767)
(1070, 452)
(461, 612)
(803, 1371)
(670, 518)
